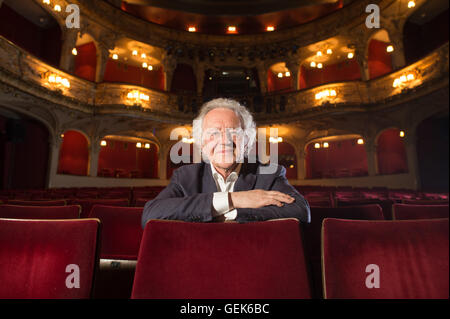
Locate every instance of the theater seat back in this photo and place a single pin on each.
(312, 233)
(385, 259)
(121, 231)
(221, 260)
(407, 211)
(39, 212)
(47, 259)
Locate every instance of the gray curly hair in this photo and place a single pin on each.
(247, 123)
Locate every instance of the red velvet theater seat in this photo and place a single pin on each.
(37, 202)
(405, 211)
(221, 260)
(47, 259)
(121, 231)
(86, 204)
(312, 234)
(385, 259)
(39, 212)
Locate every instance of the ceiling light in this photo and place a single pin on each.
(150, 67)
(291, 166)
(144, 65)
(135, 52)
(411, 4)
(231, 28)
(138, 145)
(319, 53)
(115, 56)
(360, 141)
(317, 145)
(313, 64)
(280, 75)
(319, 65)
(103, 143)
(350, 55)
(143, 55)
(325, 145)
(329, 51)
(147, 145)
(192, 29)
(402, 133)
(74, 51)
(46, 1)
(57, 8)
(287, 73)
(390, 48)
(270, 28)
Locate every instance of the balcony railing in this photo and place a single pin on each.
(29, 74)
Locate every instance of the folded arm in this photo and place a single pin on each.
(173, 205)
(274, 205)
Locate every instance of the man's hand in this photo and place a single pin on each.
(259, 198)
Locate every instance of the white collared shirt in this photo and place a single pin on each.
(221, 205)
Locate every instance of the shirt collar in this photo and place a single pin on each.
(216, 174)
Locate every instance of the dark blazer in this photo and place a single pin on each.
(189, 195)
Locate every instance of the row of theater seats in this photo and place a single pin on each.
(191, 255)
(327, 196)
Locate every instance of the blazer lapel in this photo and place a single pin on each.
(208, 183)
(247, 177)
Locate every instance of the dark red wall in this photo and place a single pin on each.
(275, 84)
(184, 79)
(287, 157)
(24, 153)
(420, 40)
(43, 43)
(86, 61)
(341, 158)
(343, 71)
(123, 73)
(380, 61)
(432, 152)
(73, 154)
(391, 153)
(116, 156)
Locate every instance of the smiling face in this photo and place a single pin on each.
(222, 137)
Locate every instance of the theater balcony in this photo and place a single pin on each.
(125, 78)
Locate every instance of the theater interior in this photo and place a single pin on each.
(91, 92)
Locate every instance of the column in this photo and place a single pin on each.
(398, 55)
(294, 68)
(169, 66)
(371, 153)
(54, 147)
(94, 151)
(67, 61)
(262, 74)
(413, 162)
(362, 59)
(162, 162)
(301, 163)
(200, 76)
(102, 59)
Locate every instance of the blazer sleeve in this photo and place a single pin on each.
(298, 209)
(172, 204)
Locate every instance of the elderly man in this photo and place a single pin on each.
(224, 187)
